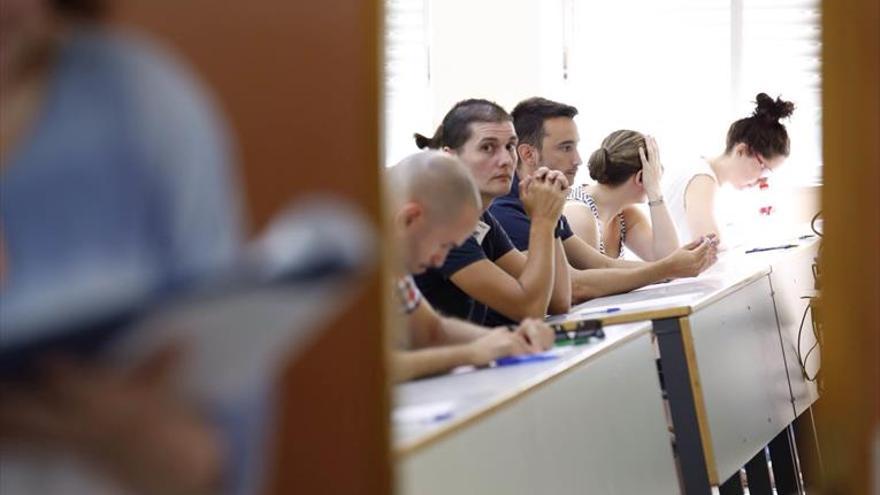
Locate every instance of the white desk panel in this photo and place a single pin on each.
(591, 422)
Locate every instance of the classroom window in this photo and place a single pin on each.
(781, 48)
(681, 70)
(407, 77)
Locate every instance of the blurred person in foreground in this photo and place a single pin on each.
(116, 182)
(435, 206)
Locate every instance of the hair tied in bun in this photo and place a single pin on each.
(602, 170)
(772, 110)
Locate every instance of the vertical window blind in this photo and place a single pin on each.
(407, 76)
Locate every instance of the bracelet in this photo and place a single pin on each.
(656, 202)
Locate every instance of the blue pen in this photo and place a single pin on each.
(525, 358)
(600, 311)
(442, 417)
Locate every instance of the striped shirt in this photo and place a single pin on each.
(579, 193)
(408, 294)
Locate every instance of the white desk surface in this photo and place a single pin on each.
(477, 392)
(464, 398)
(681, 297)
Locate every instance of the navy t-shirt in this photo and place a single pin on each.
(511, 214)
(444, 295)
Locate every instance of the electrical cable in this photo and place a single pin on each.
(813, 223)
(802, 361)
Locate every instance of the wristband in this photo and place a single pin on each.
(561, 229)
(656, 202)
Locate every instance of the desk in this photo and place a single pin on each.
(792, 280)
(791, 276)
(726, 373)
(590, 421)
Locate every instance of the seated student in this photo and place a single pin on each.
(755, 145)
(627, 171)
(435, 207)
(487, 271)
(548, 139)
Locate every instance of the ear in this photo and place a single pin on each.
(528, 155)
(447, 149)
(637, 177)
(741, 149)
(409, 214)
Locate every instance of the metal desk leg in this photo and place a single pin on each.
(785, 471)
(676, 376)
(758, 474)
(733, 486)
(808, 450)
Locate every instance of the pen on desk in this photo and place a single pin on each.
(599, 311)
(772, 248)
(442, 416)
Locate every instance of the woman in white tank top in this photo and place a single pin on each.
(627, 170)
(674, 190)
(755, 145)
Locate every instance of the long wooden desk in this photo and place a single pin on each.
(589, 421)
(726, 362)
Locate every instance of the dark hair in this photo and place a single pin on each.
(456, 127)
(82, 9)
(618, 158)
(762, 132)
(529, 116)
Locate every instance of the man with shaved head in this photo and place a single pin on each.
(434, 206)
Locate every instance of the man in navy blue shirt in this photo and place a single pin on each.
(487, 271)
(510, 212)
(490, 242)
(548, 139)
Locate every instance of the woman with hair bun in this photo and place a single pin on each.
(756, 145)
(627, 171)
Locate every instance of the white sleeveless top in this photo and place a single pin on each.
(675, 185)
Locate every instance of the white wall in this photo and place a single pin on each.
(664, 68)
(501, 50)
(625, 70)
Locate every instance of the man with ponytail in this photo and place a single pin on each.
(487, 271)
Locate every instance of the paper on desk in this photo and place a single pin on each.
(683, 299)
(422, 414)
(672, 283)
